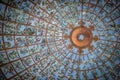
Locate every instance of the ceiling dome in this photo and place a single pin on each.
(59, 40)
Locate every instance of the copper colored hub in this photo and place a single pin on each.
(81, 36)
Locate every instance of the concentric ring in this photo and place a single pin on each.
(85, 32)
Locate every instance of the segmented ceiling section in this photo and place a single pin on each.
(37, 40)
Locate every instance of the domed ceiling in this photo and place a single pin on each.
(59, 39)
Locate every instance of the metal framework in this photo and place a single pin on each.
(35, 40)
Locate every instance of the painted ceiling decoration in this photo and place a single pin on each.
(59, 40)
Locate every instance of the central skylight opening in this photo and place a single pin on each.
(80, 37)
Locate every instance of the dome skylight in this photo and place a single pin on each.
(59, 40)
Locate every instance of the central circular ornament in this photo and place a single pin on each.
(81, 36)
